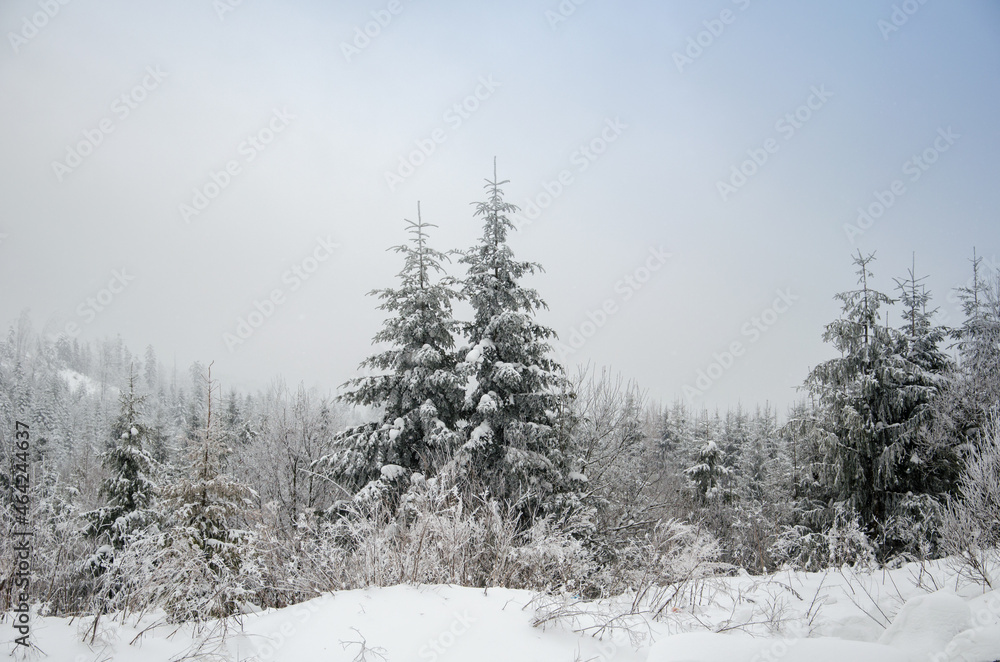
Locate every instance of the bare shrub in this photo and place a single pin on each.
(971, 522)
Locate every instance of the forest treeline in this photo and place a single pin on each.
(466, 455)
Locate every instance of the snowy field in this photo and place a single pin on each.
(914, 613)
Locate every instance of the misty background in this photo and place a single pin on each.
(642, 108)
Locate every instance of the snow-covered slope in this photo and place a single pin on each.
(913, 614)
(75, 380)
(902, 615)
(393, 624)
(936, 627)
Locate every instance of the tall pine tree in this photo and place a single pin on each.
(415, 382)
(875, 399)
(129, 486)
(930, 466)
(515, 390)
(977, 390)
(856, 395)
(207, 547)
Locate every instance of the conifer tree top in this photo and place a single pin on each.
(491, 284)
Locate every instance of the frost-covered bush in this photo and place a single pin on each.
(414, 530)
(913, 530)
(752, 531)
(61, 577)
(671, 553)
(843, 543)
(971, 522)
(161, 570)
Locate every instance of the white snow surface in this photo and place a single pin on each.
(392, 472)
(885, 616)
(977, 644)
(910, 614)
(75, 380)
(487, 404)
(400, 623)
(711, 647)
(928, 622)
(482, 430)
(476, 353)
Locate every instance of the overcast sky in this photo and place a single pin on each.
(119, 120)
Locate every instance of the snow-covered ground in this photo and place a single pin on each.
(911, 614)
(75, 380)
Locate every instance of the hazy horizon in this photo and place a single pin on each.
(684, 169)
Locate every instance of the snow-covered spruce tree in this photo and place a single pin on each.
(977, 387)
(934, 463)
(762, 494)
(763, 467)
(415, 384)
(673, 426)
(129, 487)
(873, 400)
(923, 465)
(807, 439)
(151, 370)
(709, 479)
(851, 391)
(204, 554)
(515, 391)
